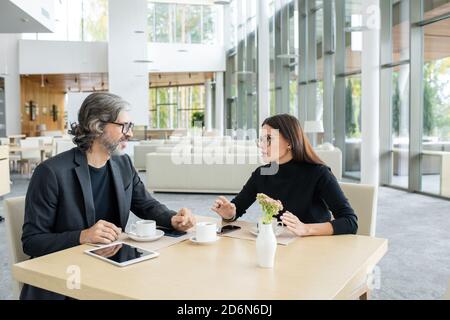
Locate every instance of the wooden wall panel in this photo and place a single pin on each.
(43, 98)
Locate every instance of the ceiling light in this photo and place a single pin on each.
(143, 61)
(25, 20)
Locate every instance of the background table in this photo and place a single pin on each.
(308, 268)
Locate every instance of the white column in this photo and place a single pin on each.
(128, 44)
(219, 102)
(9, 70)
(370, 93)
(208, 106)
(263, 61)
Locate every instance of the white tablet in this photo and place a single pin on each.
(121, 254)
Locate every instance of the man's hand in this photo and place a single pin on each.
(183, 220)
(102, 232)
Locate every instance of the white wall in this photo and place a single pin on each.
(74, 101)
(127, 78)
(166, 57)
(47, 57)
(9, 69)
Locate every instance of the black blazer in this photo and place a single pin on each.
(59, 205)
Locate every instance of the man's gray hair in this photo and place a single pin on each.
(97, 110)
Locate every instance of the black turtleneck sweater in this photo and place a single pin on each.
(309, 191)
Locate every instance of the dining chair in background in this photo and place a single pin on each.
(14, 217)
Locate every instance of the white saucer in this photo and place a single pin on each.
(194, 240)
(254, 231)
(158, 234)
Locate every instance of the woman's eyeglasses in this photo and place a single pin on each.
(126, 126)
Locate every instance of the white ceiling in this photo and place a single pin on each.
(14, 19)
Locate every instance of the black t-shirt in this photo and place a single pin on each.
(104, 194)
(309, 191)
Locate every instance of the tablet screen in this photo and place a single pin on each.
(121, 252)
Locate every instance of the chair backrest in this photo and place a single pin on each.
(333, 159)
(363, 199)
(31, 154)
(14, 215)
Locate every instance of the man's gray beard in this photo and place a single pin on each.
(111, 146)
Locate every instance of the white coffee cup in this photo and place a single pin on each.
(144, 228)
(205, 231)
(276, 225)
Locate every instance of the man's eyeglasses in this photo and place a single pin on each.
(266, 139)
(126, 126)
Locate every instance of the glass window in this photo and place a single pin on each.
(95, 20)
(208, 25)
(176, 107)
(436, 105)
(193, 24)
(162, 22)
(151, 22)
(182, 23)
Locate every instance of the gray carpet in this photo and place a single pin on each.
(417, 265)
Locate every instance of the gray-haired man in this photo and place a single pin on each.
(85, 195)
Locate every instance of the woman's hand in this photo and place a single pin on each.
(224, 208)
(294, 224)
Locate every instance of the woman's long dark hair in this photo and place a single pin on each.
(289, 127)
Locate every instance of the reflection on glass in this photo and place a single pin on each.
(400, 126)
(353, 35)
(353, 127)
(400, 30)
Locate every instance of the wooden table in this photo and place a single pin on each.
(308, 268)
(43, 149)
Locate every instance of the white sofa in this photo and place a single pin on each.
(165, 146)
(218, 169)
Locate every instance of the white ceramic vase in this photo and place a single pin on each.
(266, 246)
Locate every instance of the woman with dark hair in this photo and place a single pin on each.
(297, 177)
